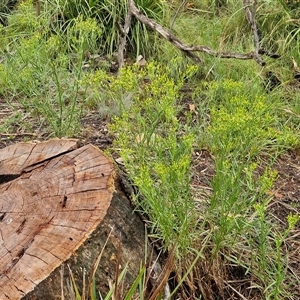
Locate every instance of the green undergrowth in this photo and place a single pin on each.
(110, 17)
(48, 61)
(37, 70)
(156, 149)
(246, 123)
(246, 132)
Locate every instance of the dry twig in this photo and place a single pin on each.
(124, 33)
(250, 13)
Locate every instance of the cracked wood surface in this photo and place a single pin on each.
(52, 196)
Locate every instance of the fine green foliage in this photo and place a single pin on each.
(37, 71)
(138, 286)
(158, 156)
(243, 126)
(42, 65)
(110, 16)
(246, 124)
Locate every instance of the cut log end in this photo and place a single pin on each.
(52, 197)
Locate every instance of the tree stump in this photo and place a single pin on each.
(58, 204)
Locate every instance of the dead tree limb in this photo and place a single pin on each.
(162, 31)
(259, 49)
(187, 49)
(250, 13)
(124, 32)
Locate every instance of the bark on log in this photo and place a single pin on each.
(58, 204)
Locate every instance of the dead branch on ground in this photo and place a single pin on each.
(162, 31)
(250, 14)
(124, 32)
(257, 34)
(187, 49)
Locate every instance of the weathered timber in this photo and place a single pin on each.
(58, 204)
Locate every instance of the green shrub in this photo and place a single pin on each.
(110, 15)
(157, 155)
(244, 126)
(39, 71)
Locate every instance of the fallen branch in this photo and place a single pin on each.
(250, 13)
(186, 49)
(124, 33)
(162, 31)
